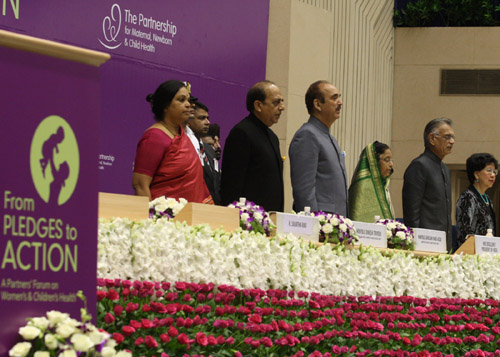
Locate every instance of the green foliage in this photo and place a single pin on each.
(449, 13)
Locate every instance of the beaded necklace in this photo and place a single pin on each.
(484, 197)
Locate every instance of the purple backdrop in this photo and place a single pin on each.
(36, 232)
(218, 45)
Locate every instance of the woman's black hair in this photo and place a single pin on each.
(163, 96)
(477, 162)
(380, 148)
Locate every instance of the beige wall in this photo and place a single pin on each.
(348, 42)
(420, 54)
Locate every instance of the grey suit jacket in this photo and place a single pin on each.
(427, 195)
(318, 172)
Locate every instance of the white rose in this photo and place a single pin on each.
(244, 216)
(65, 330)
(68, 353)
(29, 332)
(56, 316)
(343, 227)
(41, 354)
(321, 217)
(327, 228)
(123, 354)
(108, 352)
(41, 322)
(51, 341)
(258, 216)
(81, 342)
(391, 225)
(20, 349)
(161, 207)
(401, 235)
(334, 221)
(97, 337)
(389, 234)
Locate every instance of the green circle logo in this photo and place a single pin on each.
(54, 160)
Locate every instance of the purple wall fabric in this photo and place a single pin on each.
(218, 45)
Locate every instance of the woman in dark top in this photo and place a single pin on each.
(475, 213)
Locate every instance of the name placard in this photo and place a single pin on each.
(428, 240)
(371, 234)
(303, 226)
(487, 245)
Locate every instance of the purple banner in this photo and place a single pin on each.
(48, 244)
(219, 46)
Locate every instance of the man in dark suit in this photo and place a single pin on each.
(317, 164)
(199, 124)
(252, 166)
(427, 187)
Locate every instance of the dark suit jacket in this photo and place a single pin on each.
(427, 195)
(252, 166)
(211, 176)
(317, 169)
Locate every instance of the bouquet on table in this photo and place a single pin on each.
(334, 228)
(398, 235)
(59, 335)
(162, 207)
(253, 217)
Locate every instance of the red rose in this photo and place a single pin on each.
(212, 340)
(183, 339)
(238, 354)
(201, 339)
(164, 338)
(230, 340)
(113, 294)
(131, 307)
(146, 308)
(101, 294)
(181, 286)
(118, 309)
(151, 342)
(135, 324)
(255, 319)
(109, 319)
(145, 323)
(139, 341)
(128, 330)
(118, 337)
(172, 331)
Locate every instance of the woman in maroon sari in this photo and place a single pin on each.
(166, 163)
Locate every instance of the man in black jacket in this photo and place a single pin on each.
(199, 124)
(252, 165)
(427, 187)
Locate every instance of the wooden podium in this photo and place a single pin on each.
(116, 205)
(215, 216)
(469, 246)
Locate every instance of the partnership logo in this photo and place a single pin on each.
(111, 28)
(54, 160)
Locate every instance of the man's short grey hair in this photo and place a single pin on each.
(432, 127)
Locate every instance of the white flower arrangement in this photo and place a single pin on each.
(58, 334)
(163, 207)
(334, 228)
(398, 235)
(171, 251)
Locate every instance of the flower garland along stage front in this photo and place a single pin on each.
(187, 319)
(161, 250)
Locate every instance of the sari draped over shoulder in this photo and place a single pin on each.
(369, 192)
(174, 166)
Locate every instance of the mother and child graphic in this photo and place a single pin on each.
(60, 174)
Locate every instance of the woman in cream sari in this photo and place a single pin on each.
(369, 191)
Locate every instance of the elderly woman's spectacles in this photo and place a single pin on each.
(491, 171)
